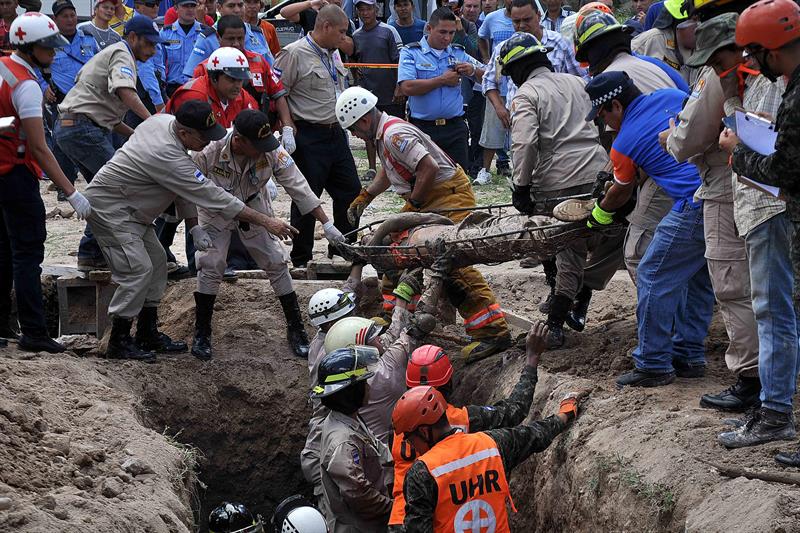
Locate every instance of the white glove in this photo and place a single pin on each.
(272, 189)
(202, 240)
(332, 233)
(80, 204)
(287, 136)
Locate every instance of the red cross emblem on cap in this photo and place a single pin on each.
(21, 34)
(215, 61)
(240, 59)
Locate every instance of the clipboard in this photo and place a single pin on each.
(756, 133)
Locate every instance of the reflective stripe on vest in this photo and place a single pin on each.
(483, 317)
(404, 456)
(13, 145)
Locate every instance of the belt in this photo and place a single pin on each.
(331, 126)
(438, 121)
(80, 116)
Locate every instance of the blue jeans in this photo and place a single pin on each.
(675, 295)
(90, 147)
(769, 255)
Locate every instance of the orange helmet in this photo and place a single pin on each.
(591, 6)
(770, 24)
(428, 365)
(420, 406)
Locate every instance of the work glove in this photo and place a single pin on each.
(600, 181)
(332, 233)
(358, 205)
(202, 240)
(287, 138)
(421, 325)
(410, 283)
(272, 189)
(521, 198)
(80, 204)
(569, 406)
(599, 217)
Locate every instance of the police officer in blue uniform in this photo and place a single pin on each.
(430, 73)
(207, 41)
(151, 74)
(179, 39)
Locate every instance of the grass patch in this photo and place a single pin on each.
(660, 497)
(185, 478)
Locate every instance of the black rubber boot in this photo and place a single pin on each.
(295, 330)
(765, 426)
(550, 272)
(576, 319)
(121, 345)
(149, 338)
(555, 320)
(788, 459)
(203, 311)
(738, 398)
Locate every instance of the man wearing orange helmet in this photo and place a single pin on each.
(429, 365)
(769, 30)
(460, 479)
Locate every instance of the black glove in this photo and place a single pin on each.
(521, 198)
(600, 181)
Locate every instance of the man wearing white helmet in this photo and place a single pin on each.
(23, 156)
(228, 70)
(295, 514)
(428, 179)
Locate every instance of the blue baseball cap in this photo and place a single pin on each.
(144, 27)
(604, 88)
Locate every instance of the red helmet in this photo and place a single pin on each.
(429, 365)
(591, 6)
(770, 24)
(420, 406)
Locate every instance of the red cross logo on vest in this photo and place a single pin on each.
(21, 34)
(240, 59)
(475, 516)
(215, 61)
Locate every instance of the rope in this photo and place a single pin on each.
(370, 65)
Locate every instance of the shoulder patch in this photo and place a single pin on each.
(698, 88)
(126, 71)
(284, 159)
(415, 44)
(207, 31)
(199, 176)
(399, 143)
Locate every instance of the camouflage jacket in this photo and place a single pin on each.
(782, 168)
(508, 412)
(515, 444)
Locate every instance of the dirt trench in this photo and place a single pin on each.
(232, 428)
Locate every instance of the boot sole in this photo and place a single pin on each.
(573, 210)
(708, 405)
(736, 445)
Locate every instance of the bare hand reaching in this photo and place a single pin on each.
(278, 227)
(536, 342)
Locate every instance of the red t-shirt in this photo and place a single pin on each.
(200, 89)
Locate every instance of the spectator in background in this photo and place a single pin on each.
(179, 37)
(640, 8)
(653, 12)
(251, 10)
(305, 14)
(473, 96)
(471, 10)
(377, 42)
(555, 15)
(8, 12)
(466, 31)
(489, 6)
(151, 73)
(122, 14)
(201, 15)
(99, 27)
(408, 26)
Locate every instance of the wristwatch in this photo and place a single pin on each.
(416, 204)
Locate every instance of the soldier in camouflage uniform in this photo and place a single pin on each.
(770, 32)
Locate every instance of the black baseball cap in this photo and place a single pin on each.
(61, 5)
(604, 88)
(198, 115)
(254, 126)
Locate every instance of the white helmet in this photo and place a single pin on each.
(230, 62)
(34, 28)
(351, 331)
(353, 104)
(295, 514)
(328, 305)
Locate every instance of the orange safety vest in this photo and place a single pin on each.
(201, 89)
(13, 145)
(472, 485)
(404, 456)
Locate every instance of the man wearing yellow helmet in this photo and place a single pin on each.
(671, 39)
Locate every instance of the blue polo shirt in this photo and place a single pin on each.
(496, 28)
(69, 60)
(177, 48)
(419, 61)
(637, 145)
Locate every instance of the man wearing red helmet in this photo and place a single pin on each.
(769, 30)
(429, 365)
(461, 479)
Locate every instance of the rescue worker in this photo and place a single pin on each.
(228, 70)
(313, 74)
(694, 138)
(556, 154)
(152, 170)
(429, 365)
(242, 163)
(429, 74)
(23, 156)
(354, 464)
(675, 299)
(104, 91)
(606, 45)
(769, 31)
(232, 517)
(179, 38)
(671, 39)
(207, 41)
(423, 174)
(295, 514)
(442, 497)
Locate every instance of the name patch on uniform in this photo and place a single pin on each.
(284, 159)
(262, 163)
(222, 171)
(199, 176)
(127, 71)
(698, 88)
(399, 143)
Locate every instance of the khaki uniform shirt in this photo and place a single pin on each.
(553, 146)
(661, 44)
(312, 87)
(152, 170)
(401, 147)
(94, 93)
(356, 469)
(246, 178)
(696, 138)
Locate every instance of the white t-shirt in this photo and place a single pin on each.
(27, 96)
